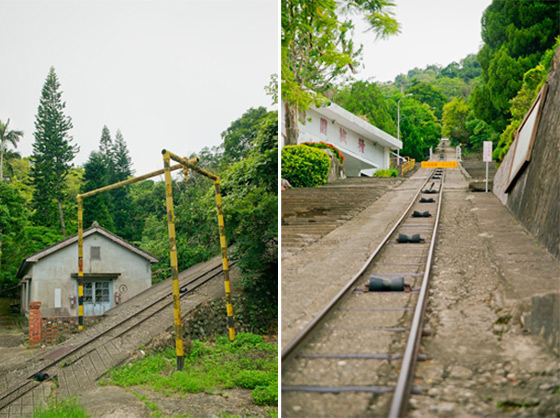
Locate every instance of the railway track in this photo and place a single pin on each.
(357, 356)
(75, 366)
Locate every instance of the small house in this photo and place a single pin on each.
(114, 271)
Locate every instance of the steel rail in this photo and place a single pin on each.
(305, 333)
(404, 383)
(213, 275)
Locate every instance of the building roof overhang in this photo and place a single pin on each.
(95, 228)
(345, 118)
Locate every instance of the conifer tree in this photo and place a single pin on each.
(52, 157)
(106, 146)
(121, 170)
(121, 158)
(97, 208)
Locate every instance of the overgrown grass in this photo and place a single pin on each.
(248, 363)
(60, 409)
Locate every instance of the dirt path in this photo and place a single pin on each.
(116, 402)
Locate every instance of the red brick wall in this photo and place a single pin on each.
(51, 328)
(34, 323)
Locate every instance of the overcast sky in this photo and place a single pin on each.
(432, 32)
(168, 74)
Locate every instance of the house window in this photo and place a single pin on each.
(96, 292)
(342, 135)
(101, 292)
(96, 253)
(88, 296)
(361, 145)
(323, 126)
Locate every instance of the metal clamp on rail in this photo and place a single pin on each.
(412, 239)
(394, 284)
(425, 214)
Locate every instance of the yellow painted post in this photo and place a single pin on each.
(80, 266)
(224, 260)
(174, 264)
(216, 179)
(80, 198)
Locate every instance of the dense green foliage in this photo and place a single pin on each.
(250, 190)
(515, 34)
(324, 145)
(304, 166)
(52, 156)
(378, 105)
(241, 135)
(455, 80)
(248, 363)
(110, 165)
(7, 136)
(364, 99)
(432, 96)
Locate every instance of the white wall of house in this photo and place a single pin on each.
(364, 146)
(54, 272)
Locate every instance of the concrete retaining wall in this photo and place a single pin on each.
(540, 321)
(535, 197)
(535, 202)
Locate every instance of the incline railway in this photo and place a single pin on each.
(366, 339)
(73, 367)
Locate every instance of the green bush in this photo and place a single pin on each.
(304, 166)
(250, 379)
(325, 145)
(389, 172)
(265, 395)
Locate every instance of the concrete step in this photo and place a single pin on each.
(308, 214)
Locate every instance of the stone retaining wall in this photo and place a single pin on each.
(210, 319)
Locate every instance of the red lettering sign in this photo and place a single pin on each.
(361, 145)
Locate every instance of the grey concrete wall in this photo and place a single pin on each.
(535, 197)
(543, 318)
(337, 168)
(53, 272)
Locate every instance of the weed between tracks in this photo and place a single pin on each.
(60, 409)
(247, 363)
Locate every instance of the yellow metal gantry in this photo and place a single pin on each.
(184, 164)
(80, 198)
(167, 156)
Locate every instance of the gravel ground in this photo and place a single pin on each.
(483, 363)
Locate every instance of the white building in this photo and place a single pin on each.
(114, 271)
(365, 147)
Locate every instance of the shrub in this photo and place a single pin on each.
(389, 172)
(324, 145)
(250, 379)
(304, 166)
(265, 395)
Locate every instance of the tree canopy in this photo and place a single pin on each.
(515, 34)
(318, 49)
